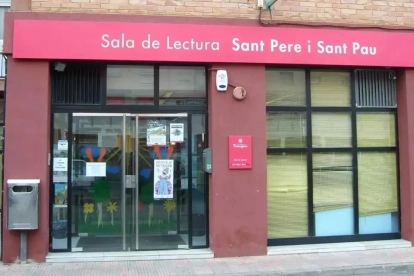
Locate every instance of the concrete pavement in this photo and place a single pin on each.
(367, 262)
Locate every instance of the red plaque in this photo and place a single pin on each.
(240, 152)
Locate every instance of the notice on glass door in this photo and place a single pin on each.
(156, 134)
(96, 169)
(62, 145)
(60, 164)
(177, 133)
(163, 178)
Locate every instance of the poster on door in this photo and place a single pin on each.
(156, 134)
(163, 179)
(177, 133)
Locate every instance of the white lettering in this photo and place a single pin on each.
(283, 47)
(364, 50)
(191, 44)
(105, 40)
(331, 49)
(248, 46)
(147, 44)
(121, 42)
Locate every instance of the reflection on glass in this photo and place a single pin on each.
(287, 193)
(377, 192)
(286, 130)
(285, 87)
(60, 181)
(331, 130)
(332, 194)
(376, 129)
(181, 85)
(130, 84)
(330, 88)
(199, 181)
(1, 104)
(1, 163)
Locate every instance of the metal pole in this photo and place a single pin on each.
(23, 246)
(123, 218)
(136, 182)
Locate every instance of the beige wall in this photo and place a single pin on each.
(391, 12)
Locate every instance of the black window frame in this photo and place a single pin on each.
(353, 110)
(102, 107)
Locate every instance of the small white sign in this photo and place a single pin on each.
(163, 178)
(96, 169)
(60, 164)
(157, 136)
(62, 145)
(130, 181)
(177, 133)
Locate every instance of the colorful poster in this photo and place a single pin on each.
(156, 134)
(163, 179)
(96, 169)
(61, 194)
(177, 133)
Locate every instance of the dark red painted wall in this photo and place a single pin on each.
(26, 147)
(405, 92)
(238, 198)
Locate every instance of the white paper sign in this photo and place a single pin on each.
(62, 145)
(177, 133)
(60, 164)
(157, 135)
(130, 181)
(96, 169)
(163, 179)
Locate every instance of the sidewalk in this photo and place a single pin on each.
(371, 262)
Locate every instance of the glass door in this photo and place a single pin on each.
(159, 166)
(97, 182)
(129, 182)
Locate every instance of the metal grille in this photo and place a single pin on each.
(375, 88)
(78, 84)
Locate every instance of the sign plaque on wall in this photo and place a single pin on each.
(240, 152)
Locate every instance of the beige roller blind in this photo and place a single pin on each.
(376, 130)
(377, 183)
(332, 181)
(287, 195)
(330, 88)
(285, 87)
(331, 130)
(286, 129)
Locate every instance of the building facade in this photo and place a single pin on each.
(122, 102)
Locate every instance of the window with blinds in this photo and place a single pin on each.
(78, 84)
(331, 165)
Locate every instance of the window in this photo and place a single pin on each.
(165, 86)
(331, 163)
(130, 85)
(4, 7)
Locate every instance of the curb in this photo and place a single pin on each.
(405, 269)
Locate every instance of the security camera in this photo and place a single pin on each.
(392, 76)
(60, 67)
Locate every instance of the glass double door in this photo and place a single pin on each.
(129, 182)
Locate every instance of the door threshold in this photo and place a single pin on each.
(80, 257)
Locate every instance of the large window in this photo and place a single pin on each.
(331, 163)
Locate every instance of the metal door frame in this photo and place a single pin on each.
(123, 164)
